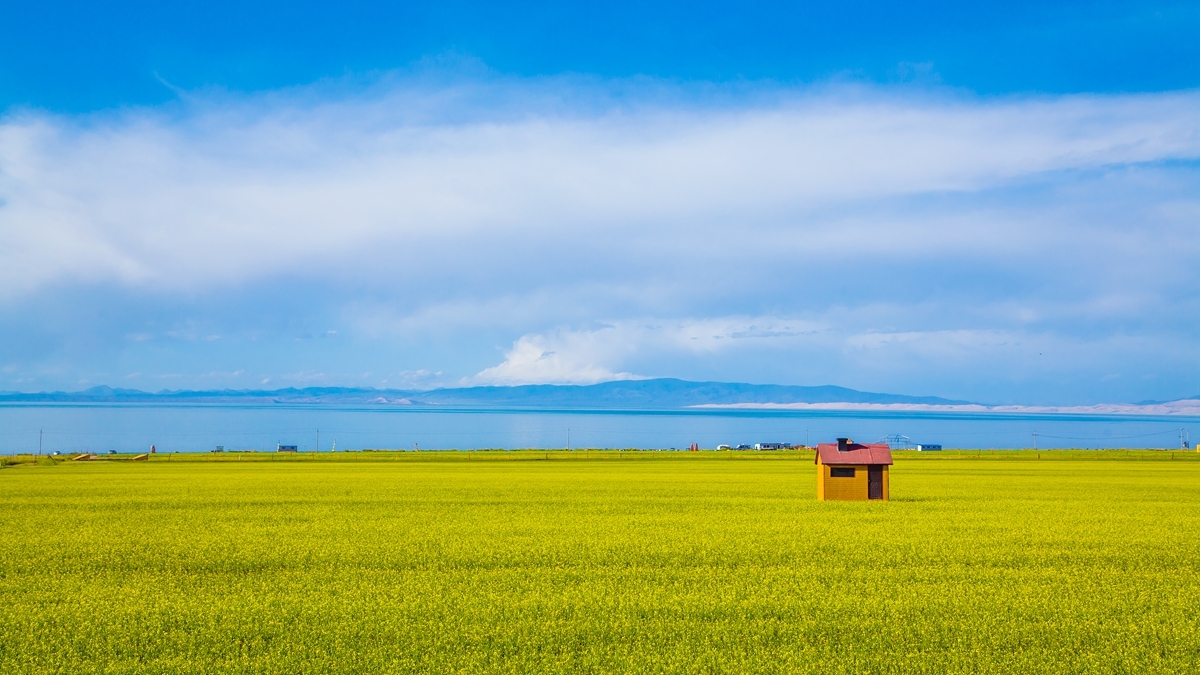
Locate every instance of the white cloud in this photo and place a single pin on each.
(565, 358)
(218, 192)
(891, 239)
(985, 364)
(586, 356)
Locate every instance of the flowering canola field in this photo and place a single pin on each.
(673, 563)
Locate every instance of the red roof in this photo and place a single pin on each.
(855, 453)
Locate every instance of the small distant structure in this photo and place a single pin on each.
(772, 446)
(852, 471)
(219, 448)
(285, 448)
(153, 450)
(928, 447)
(722, 447)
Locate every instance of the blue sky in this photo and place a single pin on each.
(84, 56)
(992, 202)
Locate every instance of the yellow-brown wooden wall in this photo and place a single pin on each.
(830, 488)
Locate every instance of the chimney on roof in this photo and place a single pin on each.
(843, 444)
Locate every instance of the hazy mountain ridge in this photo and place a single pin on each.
(654, 393)
(663, 393)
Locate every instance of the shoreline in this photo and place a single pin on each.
(1183, 408)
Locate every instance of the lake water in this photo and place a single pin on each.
(199, 428)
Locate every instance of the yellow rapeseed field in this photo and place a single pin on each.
(629, 562)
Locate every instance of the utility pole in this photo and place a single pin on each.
(1035, 439)
(568, 439)
(40, 432)
(318, 441)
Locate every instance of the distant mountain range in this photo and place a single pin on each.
(625, 394)
(656, 394)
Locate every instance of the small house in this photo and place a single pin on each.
(852, 471)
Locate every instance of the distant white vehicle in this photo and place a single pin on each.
(722, 447)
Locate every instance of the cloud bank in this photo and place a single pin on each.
(511, 231)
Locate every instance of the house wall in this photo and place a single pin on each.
(853, 489)
(844, 488)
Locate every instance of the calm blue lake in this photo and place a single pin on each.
(199, 428)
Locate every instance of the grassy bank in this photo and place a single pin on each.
(599, 562)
